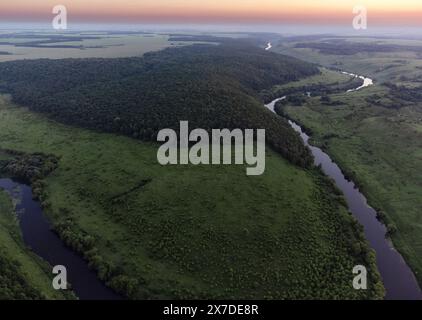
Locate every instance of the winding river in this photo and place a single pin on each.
(37, 235)
(398, 278)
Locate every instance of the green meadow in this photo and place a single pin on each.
(193, 231)
(375, 134)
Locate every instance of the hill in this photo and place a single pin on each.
(211, 86)
(192, 231)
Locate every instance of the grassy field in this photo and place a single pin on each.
(194, 232)
(29, 276)
(327, 77)
(380, 66)
(378, 142)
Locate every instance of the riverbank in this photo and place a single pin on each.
(398, 278)
(23, 275)
(193, 232)
(37, 234)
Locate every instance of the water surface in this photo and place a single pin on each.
(37, 234)
(399, 281)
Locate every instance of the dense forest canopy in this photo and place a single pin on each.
(211, 86)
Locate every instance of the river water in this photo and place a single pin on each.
(37, 235)
(398, 278)
(366, 81)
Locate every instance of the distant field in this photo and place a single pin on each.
(37, 45)
(107, 46)
(376, 136)
(380, 65)
(327, 77)
(195, 232)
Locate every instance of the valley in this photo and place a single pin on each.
(192, 231)
(373, 134)
(212, 232)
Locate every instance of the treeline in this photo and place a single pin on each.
(352, 233)
(28, 167)
(399, 96)
(313, 89)
(404, 94)
(211, 86)
(250, 39)
(198, 38)
(84, 244)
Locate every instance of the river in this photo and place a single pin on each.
(38, 235)
(399, 281)
(398, 278)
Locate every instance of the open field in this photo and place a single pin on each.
(89, 46)
(399, 57)
(186, 231)
(327, 77)
(107, 44)
(375, 136)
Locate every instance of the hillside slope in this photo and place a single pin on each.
(210, 86)
(190, 231)
(193, 231)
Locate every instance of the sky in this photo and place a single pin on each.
(325, 12)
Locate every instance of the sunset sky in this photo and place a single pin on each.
(386, 12)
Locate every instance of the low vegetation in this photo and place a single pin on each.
(375, 135)
(344, 47)
(193, 231)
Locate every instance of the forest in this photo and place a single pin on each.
(182, 232)
(211, 86)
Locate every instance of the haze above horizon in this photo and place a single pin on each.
(305, 12)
